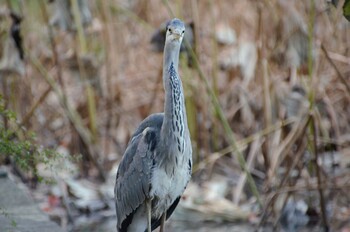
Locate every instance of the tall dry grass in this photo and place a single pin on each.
(88, 89)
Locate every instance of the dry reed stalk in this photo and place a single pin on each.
(196, 21)
(333, 118)
(241, 144)
(291, 165)
(262, 66)
(73, 116)
(90, 93)
(339, 74)
(53, 46)
(228, 131)
(267, 108)
(338, 57)
(133, 16)
(35, 105)
(196, 136)
(254, 151)
(313, 128)
(286, 145)
(214, 76)
(110, 58)
(282, 195)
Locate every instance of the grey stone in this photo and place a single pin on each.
(19, 213)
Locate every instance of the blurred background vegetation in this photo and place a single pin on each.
(267, 88)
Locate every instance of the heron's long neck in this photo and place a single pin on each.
(175, 121)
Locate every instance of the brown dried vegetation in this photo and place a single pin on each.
(278, 69)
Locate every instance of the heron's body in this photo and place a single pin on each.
(156, 165)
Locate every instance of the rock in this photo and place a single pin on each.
(19, 213)
(225, 35)
(63, 14)
(243, 57)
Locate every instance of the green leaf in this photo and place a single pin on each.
(346, 9)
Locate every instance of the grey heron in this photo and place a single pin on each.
(157, 162)
(158, 37)
(158, 40)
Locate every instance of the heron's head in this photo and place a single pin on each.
(175, 31)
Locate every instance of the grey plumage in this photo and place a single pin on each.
(156, 165)
(135, 169)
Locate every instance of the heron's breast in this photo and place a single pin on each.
(167, 186)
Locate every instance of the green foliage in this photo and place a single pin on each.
(346, 9)
(19, 145)
(8, 216)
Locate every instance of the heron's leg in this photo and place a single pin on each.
(162, 222)
(149, 207)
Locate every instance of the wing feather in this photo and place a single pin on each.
(133, 181)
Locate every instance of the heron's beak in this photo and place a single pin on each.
(177, 34)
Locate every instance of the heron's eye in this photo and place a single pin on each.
(183, 32)
(170, 30)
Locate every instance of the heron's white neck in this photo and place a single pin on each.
(175, 121)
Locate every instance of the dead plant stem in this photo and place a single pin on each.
(339, 74)
(313, 127)
(266, 85)
(73, 116)
(35, 106)
(108, 35)
(53, 45)
(88, 89)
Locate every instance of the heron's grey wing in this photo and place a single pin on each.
(133, 181)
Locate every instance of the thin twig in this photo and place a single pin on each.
(319, 181)
(339, 74)
(286, 145)
(53, 45)
(244, 142)
(262, 64)
(79, 26)
(34, 107)
(109, 56)
(309, 187)
(90, 93)
(267, 111)
(132, 15)
(254, 151)
(296, 159)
